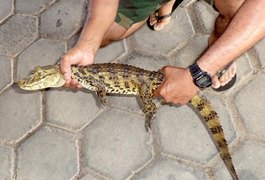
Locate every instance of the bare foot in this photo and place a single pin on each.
(221, 79)
(162, 17)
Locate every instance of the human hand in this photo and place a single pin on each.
(178, 86)
(75, 56)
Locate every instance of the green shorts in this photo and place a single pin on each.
(133, 11)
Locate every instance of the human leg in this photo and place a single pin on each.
(227, 9)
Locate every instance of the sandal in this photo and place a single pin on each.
(159, 18)
(230, 83)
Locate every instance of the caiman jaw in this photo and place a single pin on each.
(42, 78)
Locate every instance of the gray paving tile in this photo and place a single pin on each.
(192, 51)
(32, 6)
(182, 134)
(161, 42)
(115, 143)
(5, 165)
(63, 19)
(48, 154)
(167, 169)
(259, 49)
(41, 53)
(17, 33)
(71, 109)
(148, 63)
(5, 71)
(6, 9)
(249, 162)
(20, 113)
(89, 177)
(111, 52)
(251, 105)
(206, 16)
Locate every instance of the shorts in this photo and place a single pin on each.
(133, 11)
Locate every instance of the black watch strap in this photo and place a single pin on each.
(201, 78)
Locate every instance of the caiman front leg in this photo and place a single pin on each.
(95, 85)
(149, 108)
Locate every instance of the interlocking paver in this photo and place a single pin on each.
(206, 16)
(167, 169)
(159, 43)
(192, 51)
(5, 71)
(250, 106)
(111, 53)
(32, 6)
(20, 113)
(63, 19)
(259, 48)
(115, 143)
(249, 162)
(6, 9)
(89, 177)
(71, 109)
(182, 134)
(148, 63)
(17, 33)
(40, 53)
(48, 154)
(5, 165)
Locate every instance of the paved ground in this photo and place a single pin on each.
(63, 134)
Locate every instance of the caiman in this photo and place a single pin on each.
(110, 78)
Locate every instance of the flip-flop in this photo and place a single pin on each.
(230, 83)
(159, 18)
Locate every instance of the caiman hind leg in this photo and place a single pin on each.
(149, 108)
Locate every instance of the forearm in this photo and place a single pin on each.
(101, 14)
(245, 29)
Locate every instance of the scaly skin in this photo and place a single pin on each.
(125, 79)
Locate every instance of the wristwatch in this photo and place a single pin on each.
(201, 78)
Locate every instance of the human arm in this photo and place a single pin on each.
(101, 14)
(246, 28)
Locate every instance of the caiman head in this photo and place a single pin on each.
(42, 78)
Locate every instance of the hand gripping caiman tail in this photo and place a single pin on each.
(124, 79)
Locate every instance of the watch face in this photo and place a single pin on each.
(204, 81)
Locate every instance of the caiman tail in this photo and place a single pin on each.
(213, 124)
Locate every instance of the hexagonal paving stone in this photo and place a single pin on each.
(248, 160)
(63, 19)
(148, 63)
(89, 177)
(115, 143)
(32, 6)
(20, 113)
(71, 109)
(17, 33)
(167, 169)
(6, 9)
(183, 134)
(251, 105)
(48, 154)
(206, 16)
(190, 53)
(5, 71)
(161, 42)
(40, 53)
(259, 49)
(111, 52)
(5, 165)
